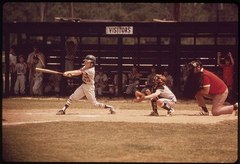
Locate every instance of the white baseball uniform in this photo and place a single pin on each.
(87, 88)
(21, 69)
(38, 80)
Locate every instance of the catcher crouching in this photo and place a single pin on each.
(160, 95)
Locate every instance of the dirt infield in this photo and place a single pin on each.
(14, 117)
(32, 132)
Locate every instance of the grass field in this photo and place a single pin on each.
(101, 141)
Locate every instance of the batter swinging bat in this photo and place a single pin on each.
(48, 71)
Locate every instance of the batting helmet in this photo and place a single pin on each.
(90, 58)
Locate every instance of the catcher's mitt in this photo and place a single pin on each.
(139, 96)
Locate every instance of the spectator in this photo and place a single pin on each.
(31, 62)
(21, 70)
(71, 50)
(169, 79)
(184, 74)
(150, 80)
(228, 69)
(71, 46)
(101, 82)
(133, 77)
(37, 76)
(53, 84)
(114, 87)
(12, 63)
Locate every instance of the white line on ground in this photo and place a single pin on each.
(31, 122)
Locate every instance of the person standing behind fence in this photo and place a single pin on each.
(12, 63)
(169, 79)
(21, 70)
(71, 47)
(53, 85)
(133, 77)
(101, 81)
(37, 77)
(31, 65)
(228, 69)
(184, 75)
(113, 89)
(150, 78)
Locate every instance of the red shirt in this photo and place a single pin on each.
(228, 74)
(217, 86)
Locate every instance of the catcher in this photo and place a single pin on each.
(160, 95)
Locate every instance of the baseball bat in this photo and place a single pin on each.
(48, 71)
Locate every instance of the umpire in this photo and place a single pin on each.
(205, 84)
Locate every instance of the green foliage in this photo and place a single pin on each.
(30, 12)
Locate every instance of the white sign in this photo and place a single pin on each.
(119, 30)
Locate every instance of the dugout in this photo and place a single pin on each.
(119, 46)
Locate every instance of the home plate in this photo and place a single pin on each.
(88, 115)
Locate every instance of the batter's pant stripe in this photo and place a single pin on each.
(69, 101)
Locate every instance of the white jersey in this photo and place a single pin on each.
(165, 92)
(88, 75)
(21, 68)
(12, 59)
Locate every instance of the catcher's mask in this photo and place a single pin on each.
(90, 58)
(159, 78)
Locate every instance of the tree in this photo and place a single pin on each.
(46, 11)
(42, 11)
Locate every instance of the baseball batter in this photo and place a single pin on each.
(87, 88)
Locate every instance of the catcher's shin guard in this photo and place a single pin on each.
(166, 106)
(154, 105)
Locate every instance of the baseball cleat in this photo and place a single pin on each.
(203, 113)
(170, 112)
(235, 106)
(235, 109)
(154, 114)
(112, 111)
(61, 112)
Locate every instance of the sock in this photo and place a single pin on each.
(65, 107)
(68, 103)
(154, 105)
(205, 109)
(107, 106)
(166, 106)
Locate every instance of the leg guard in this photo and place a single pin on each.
(154, 105)
(166, 106)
